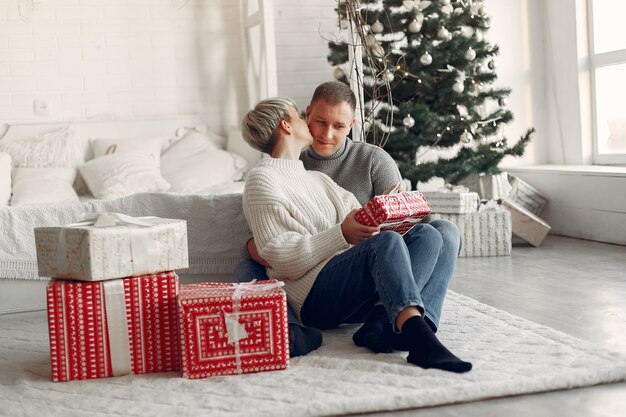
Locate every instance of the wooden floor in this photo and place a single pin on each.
(576, 286)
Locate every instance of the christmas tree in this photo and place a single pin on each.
(428, 81)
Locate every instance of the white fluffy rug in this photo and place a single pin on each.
(510, 355)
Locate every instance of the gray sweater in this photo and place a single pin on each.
(359, 167)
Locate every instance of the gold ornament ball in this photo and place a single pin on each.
(408, 121)
(466, 137)
(415, 26)
(470, 55)
(443, 34)
(339, 74)
(426, 59)
(377, 27)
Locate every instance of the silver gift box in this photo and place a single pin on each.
(452, 202)
(526, 196)
(89, 253)
(485, 233)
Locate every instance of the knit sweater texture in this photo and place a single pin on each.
(362, 168)
(295, 216)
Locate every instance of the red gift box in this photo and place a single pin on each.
(115, 327)
(228, 329)
(398, 212)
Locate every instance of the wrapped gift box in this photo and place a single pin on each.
(526, 225)
(399, 212)
(485, 233)
(488, 187)
(526, 196)
(122, 246)
(228, 329)
(452, 202)
(114, 327)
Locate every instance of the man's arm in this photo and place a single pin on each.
(385, 173)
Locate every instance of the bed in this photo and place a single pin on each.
(217, 230)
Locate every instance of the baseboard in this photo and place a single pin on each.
(22, 295)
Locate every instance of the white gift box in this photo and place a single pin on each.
(525, 224)
(452, 202)
(111, 245)
(488, 187)
(526, 196)
(485, 233)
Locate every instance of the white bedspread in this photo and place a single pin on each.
(216, 227)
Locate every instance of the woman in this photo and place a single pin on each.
(304, 227)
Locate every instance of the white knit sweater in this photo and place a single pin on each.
(295, 216)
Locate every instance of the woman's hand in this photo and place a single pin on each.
(354, 232)
(254, 253)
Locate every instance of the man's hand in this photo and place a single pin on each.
(254, 253)
(399, 187)
(354, 232)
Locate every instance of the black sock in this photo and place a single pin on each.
(397, 341)
(303, 339)
(427, 351)
(372, 334)
(430, 324)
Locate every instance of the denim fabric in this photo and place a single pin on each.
(247, 270)
(401, 271)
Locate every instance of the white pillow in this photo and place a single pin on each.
(149, 146)
(5, 179)
(121, 174)
(192, 143)
(238, 145)
(59, 148)
(35, 186)
(203, 169)
(183, 131)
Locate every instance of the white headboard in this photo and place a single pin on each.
(131, 128)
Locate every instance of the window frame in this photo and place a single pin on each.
(598, 60)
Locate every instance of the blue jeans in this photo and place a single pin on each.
(247, 270)
(401, 271)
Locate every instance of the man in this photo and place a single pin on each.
(361, 168)
(336, 270)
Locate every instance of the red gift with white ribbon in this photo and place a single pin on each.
(229, 329)
(114, 327)
(399, 211)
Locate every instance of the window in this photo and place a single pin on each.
(607, 39)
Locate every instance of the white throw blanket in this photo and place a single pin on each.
(217, 229)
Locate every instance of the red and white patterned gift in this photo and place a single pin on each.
(398, 212)
(113, 327)
(228, 329)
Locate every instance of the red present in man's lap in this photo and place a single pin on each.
(399, 212)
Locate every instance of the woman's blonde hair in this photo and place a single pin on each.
(259, 127)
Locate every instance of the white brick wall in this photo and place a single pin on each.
(302, 29)
(121, 59)
(141, 58)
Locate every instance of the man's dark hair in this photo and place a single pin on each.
(334, 92)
